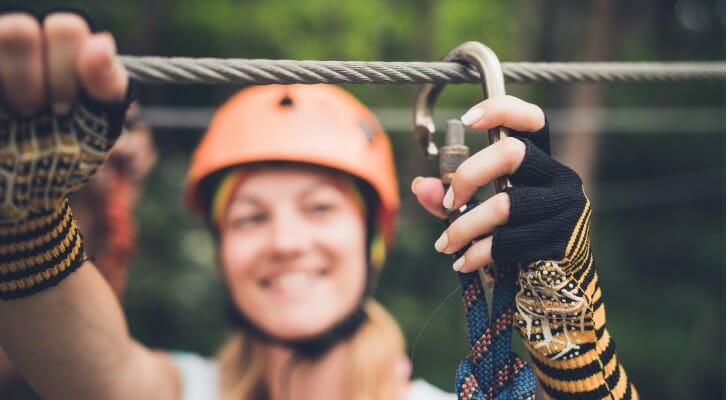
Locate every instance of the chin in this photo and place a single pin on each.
(292, 317)
(301, 326)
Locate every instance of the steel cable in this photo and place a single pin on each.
(182, 70)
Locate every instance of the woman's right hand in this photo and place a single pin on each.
(63, 94)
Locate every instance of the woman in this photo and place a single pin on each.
(297, 186)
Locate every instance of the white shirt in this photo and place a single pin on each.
(200, 378)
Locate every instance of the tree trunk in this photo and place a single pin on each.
(581, 141)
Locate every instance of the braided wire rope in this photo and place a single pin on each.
(184, 70)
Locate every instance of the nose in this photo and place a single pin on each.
(289, 236)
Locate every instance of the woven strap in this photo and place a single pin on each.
(492, 370)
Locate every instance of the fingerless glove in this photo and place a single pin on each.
(559, 309)
(43, 159)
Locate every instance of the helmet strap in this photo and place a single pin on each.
(310, 348)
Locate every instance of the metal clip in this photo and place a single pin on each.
(484, 59)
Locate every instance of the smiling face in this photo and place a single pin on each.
(292, 249)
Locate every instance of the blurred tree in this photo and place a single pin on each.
(580, 150)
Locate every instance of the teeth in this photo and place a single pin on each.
(293, 280)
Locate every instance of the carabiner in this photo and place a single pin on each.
(484, 59)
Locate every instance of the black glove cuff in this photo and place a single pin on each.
(545, 240)
(115, 112)
(539, 169)
(547, 200)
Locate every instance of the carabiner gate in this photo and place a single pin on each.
(487, 63)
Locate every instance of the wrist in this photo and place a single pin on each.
(38, 252)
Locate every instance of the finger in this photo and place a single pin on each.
(429, 193)
(21, 61)
(476, 257)
(481, 220)
(64, 33)
(101, 73)
(507, 111)
(501, 158)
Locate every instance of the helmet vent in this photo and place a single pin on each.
(286, 101)
(368, 132)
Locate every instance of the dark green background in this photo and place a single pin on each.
(659, 220)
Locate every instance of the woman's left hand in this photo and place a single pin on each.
(540, 224)
(502, 158)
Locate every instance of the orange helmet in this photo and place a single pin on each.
(314, 124)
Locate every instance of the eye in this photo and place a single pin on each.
(247, 220)
(320, 209)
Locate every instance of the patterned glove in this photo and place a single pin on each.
(43, 159)
(559, 308)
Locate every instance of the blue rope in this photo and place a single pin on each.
(492, 371)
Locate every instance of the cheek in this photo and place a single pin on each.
(353, 283)
(237, 258)
(350, 248)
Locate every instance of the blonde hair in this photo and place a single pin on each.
(375, 350)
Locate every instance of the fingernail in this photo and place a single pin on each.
(413, 187)
(448, 199)
(441, 243)
(459, 264)
(472, 115)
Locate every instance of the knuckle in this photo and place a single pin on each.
(502, 206)
(464, 176)
(577, 198)
(455, 234)
(513, 151)
(513, 102)
(499, 112)
(573, 177)
(539, 117)
(474, 254)
(498, 104)
(477, 255)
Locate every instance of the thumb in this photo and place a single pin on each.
(429, 193)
